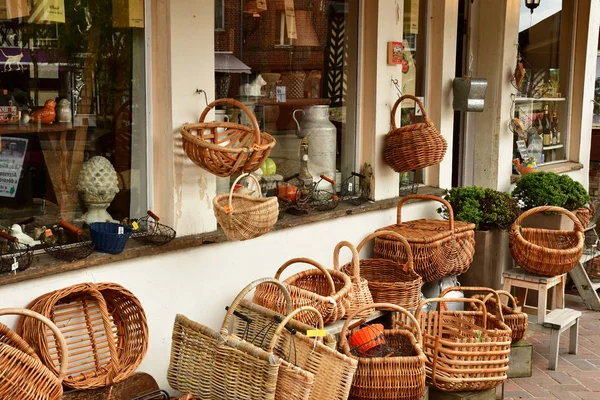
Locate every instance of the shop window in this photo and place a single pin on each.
(219, 15)
(542, 98)
(72, 88)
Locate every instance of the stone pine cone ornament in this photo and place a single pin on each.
(97, 185)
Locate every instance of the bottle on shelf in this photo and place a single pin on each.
(546, 127)
(555, 128)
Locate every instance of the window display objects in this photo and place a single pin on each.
(97, 185)
(44, 11)
(63, 111)
(46, 115)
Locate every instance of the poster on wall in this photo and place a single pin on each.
(409, 75)
(411, 17)
(10, 9)
(290, 19)
(44, 11)
(12, 154)
(128, 13)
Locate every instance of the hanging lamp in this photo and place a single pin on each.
(532, 4)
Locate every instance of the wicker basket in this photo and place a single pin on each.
(87, 314)
(24, 377)
(328, 291)
(389, 377)
(361, 295)
(237, 149)
(516, 320)
(390, 281)
(439, 247)
(466, 350)
(585, 214)
(245, 217)
(544, 251)
(413, 146)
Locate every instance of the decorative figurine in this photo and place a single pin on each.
(63, 111)
(97, 185)
(46, 115)
(24, 239)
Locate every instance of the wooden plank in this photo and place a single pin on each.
(561, 318)
(585, 287)
(136, 385)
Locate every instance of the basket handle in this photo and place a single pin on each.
(410, 97)
(425, 197)
(64, 356)
(380, 306)
(9, 237)
(314, 264)
(289, 317)
(355, 263)
(327, 179)
(507, 294)
(239, 178)
(70, 227)
(241, 106)
(572, 217)
(453, 300)
(491, 292)
(154, 216)
(398, 237)
(245, 291)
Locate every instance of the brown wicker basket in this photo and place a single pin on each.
(413, 146)
(244, 217)
(237, 149)
(390, 281)
(400, 376)
(328, 291)
(466, 350)
(544, 251)
(439, 247)
(361, 295)
(87, 314)
(585, 214)
(516, 320)
(24, 377)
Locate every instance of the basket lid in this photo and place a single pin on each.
(427, 230)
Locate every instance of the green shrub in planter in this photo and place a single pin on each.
(488, 209)
(550, 189)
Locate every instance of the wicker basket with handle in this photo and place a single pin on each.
(390, 281)
(244, 217)
(399, 375)
(413, 146)
(236, 149)
(546, 252)
(327, 290)
(516, 319)
(361, 295)
(24, 376)
(439, 247)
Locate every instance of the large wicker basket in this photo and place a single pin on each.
(413, 146)
(24, 376)
(516, 319)
(361, 295)
(439, 247)
(244, 217)
(390, 281)
(327, 290)
(399, 376)
(544, 251)
(236, 149)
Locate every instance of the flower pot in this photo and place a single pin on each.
(492, 257)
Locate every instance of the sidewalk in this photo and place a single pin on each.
(576, 376)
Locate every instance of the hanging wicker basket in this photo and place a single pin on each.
(546, 252)
(226, 148)
(413, 146)
(361, 295)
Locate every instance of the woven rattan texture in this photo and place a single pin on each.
(515, 319)
(361, 294)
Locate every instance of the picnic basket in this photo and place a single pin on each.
(238, 148)
(327, 290)
(361, 295)
(24, 376)
(516, 319)
(546, 252)
(245, 217)
(465, 350)
(398, 374)
(413, 146)
(391, 281)
(439, 247)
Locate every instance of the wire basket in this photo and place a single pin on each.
(150, 231)
(355, 189)
(67, 242)
(324, 197)
(14, 256)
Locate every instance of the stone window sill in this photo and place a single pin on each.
(559, 168)
(44, 265)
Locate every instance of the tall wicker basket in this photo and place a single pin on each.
(361, 294)
(439, 247)
(413, 146)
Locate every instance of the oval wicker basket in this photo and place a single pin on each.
(516, 320)
(413, 146)
(361, 295)
(390, 281)
(546, 252)
(245, 217)
(238, 148)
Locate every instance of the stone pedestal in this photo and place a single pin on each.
(519, 362)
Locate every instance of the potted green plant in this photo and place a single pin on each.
(550, 189)
(493, 213)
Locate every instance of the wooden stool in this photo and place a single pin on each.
(559, 321)
(520, 278)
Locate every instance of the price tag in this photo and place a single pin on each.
(135, 226)
(48, 233)
(121, 230)
(316, 333)
(522, 149)
(15, 265)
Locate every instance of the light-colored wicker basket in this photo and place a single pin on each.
(236, 149)
(244, 217)
(516, 319)
(361, 295)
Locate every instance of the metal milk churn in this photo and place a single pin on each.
(322, 140)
